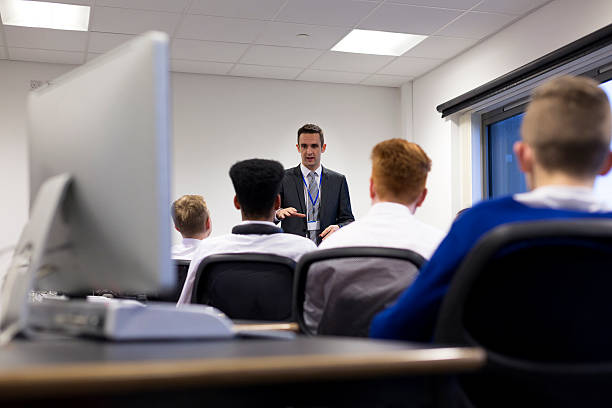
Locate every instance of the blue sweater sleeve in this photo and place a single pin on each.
(414, 315)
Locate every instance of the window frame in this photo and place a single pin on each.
(601, 74)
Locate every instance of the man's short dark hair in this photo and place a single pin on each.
(311, 128)
(257, 182)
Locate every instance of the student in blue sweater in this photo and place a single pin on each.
(565, 145)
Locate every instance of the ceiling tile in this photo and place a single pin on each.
(280, 56)
(102, 42)
(124, 21)
(176, 6)
(219, 29)
(440, 47)
(349, 62)
(58, 57)
(287, 34)
(476, 25)
(410, 66)
(386, 80)
(207, 50)
(3, 53)
(259, 71)
(510, 7)
(200, 67)
(342, 13)
(44, 38)
(408, 19)
(260, 9)
(332, 76)
(449, 4)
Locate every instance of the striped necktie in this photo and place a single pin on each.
(313, 210)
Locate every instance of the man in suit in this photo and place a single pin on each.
(315, 200)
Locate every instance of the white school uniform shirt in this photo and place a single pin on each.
(186, 249)
(560, 197)
(388, 225)
(282, 244)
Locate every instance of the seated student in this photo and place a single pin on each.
(192, 220)
(257, 185)
(565, 145)
(397, 189)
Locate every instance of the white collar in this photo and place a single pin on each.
(191, 241)
(386, 207)
(576, 198)
(257, 222)
(306, 170)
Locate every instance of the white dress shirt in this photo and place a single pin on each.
(388, 225)
(186, 248)
(282, 244)
(560, 197)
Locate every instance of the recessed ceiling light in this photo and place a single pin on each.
(44, 15)
(378, 42)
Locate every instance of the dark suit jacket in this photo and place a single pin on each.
(335, 205)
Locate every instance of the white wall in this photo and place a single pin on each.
(556, 24)
(14, 186)
(218, 121)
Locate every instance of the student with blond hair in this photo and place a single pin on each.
(565, 145)
(192, 219)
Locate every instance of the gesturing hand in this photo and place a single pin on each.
(283, 213)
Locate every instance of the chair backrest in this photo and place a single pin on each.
(348, 286)
(182, 267)
(536, 297)
(249, 286)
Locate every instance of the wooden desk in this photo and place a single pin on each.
(228, 372)
(289, 326)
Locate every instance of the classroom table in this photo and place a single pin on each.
(321, 371)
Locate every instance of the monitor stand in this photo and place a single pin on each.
(28, 255)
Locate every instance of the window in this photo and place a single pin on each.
(503, 173)
(501, 128)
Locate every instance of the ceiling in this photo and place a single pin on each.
(260, 38)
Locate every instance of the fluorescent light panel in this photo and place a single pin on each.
(44, 15)
(377, 42)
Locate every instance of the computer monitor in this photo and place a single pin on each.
(107, 125)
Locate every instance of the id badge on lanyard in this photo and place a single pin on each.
(313, 225)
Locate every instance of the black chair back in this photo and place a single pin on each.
(182, 267)
(249, 286)
(358, 283)
(536, 297)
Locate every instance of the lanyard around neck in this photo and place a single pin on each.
(313, 202)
